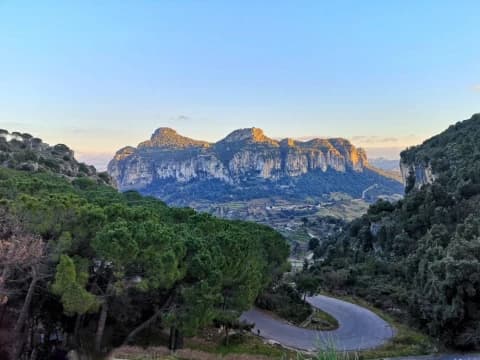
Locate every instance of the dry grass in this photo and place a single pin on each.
(162, 353)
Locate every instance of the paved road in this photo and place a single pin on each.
(359, 328)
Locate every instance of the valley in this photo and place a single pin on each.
(249, 176)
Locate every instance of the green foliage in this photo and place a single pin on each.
(307, 284)
(315, 183)
(70, 284)
(286, 302)
(136, 255)
(420, 257)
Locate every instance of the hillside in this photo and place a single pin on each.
(27, 153)
(420, 258)
(83, 262)
(451, 159)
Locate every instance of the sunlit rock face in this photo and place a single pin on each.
(243, 155)
(165, 138)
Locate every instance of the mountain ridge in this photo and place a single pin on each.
(244, 160)
(238, 153)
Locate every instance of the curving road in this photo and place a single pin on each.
(359, 327)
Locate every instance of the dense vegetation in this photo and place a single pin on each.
(286, 302)
(314, 184)
(421, 255)
(86, 266)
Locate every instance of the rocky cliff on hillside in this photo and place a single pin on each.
(451, 157)
(24, 152)
(246, 163)
(428, 243)
(243, 154)
(419, 174)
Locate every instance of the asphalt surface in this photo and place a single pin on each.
(359, 328)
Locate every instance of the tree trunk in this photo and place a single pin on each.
(142, 327)
(33, 354)
(3, 310)
(78, 324)
(19, 325)
(175, 341)
(3, 277)
(226, 335)
(101, 326)
(3, 292)
(178, 340)
(150, 320)
(103, 318)
(171, 339)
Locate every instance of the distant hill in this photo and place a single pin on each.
(247, 165)
(392, 165)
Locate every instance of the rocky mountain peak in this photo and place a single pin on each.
(124, 152)
(164, 132)
(165, 137)
(249, 135)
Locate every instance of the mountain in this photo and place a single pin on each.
(246, 165)
(22, 151)
(420, 257)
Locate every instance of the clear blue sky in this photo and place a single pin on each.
(99, 75)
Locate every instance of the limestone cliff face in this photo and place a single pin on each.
(244, 155)
(415, 168)
(262, 164)
(423, 174)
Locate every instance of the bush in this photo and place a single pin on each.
(285, 302)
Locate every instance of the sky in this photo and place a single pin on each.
(99, 75)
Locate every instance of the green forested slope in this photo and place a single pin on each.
(421, 256)
(82, 262)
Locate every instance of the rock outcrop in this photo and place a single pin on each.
(443, 157)
(244, 155)
(22, 151)
(422, 174)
